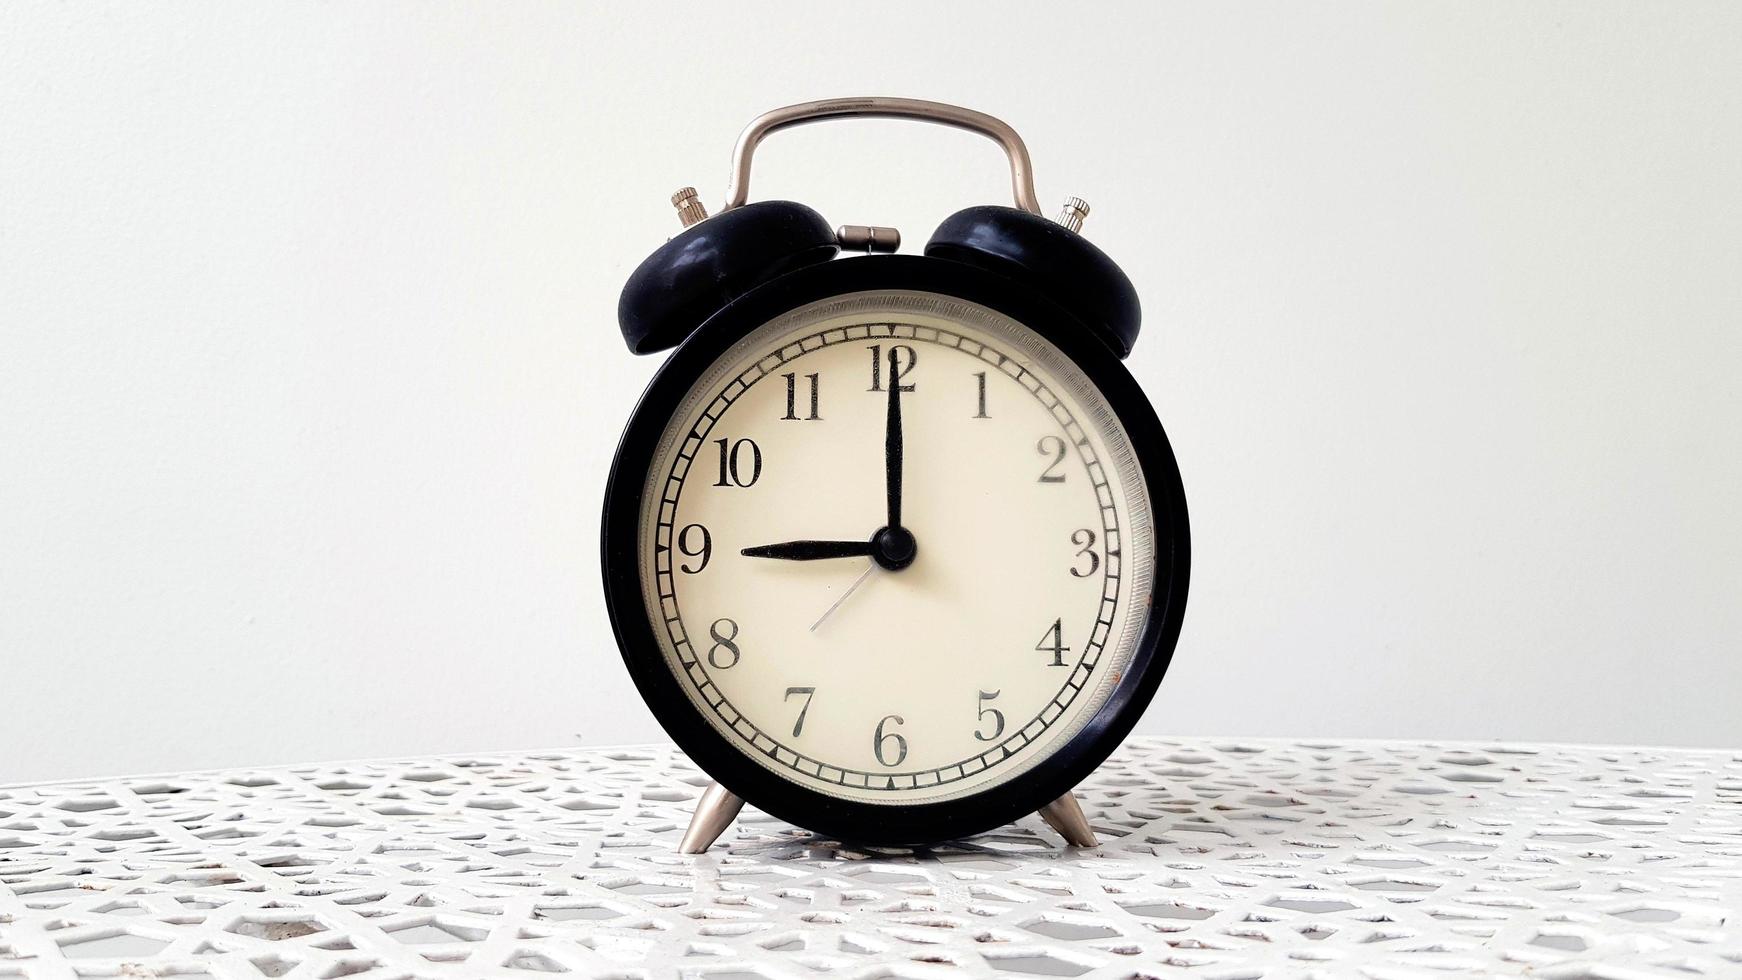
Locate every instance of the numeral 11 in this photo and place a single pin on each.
(792, 398)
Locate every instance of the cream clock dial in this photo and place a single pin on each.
(895, 596)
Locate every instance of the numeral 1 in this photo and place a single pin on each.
(981, 414)
(792, 399)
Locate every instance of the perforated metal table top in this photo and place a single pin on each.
(1219, 858)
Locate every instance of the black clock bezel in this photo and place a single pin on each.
(884, 824)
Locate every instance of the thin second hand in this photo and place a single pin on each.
(869, 568)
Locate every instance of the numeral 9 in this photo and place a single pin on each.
(704, 551)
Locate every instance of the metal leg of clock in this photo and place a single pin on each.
(715, 811)
(1066, 817)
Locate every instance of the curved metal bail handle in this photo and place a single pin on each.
(1021, 171)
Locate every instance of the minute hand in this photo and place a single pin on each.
(892, 442)
(810, 550)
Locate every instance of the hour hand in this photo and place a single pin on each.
(811, 550)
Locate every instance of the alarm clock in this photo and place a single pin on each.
(894, 547)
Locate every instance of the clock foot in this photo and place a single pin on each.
(1066, 817)
(715, 811)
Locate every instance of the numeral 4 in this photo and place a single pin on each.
(1053, 642)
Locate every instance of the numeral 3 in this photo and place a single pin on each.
(1086, 539)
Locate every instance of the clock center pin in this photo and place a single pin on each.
(896, 548)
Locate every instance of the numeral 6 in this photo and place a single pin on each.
(882, 739)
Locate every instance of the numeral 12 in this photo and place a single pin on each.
(902, 358)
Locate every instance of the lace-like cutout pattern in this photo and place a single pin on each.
(1219, 859)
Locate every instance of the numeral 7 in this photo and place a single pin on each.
(808, 692)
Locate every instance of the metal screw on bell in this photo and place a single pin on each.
(690, 209)
(1073, 213)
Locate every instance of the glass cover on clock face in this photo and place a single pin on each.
(902, 669)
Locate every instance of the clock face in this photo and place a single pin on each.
(915, 656)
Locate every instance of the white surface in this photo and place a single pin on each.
(309, 374)
(1248, 859)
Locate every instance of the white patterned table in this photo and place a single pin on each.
(1219, 859)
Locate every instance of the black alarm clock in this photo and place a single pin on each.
(894, 547)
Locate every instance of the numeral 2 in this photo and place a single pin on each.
(1055, 447)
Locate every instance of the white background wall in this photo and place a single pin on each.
(309, 375)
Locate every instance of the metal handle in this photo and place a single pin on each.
(1021, 174)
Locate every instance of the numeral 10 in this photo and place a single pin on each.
(733, 458)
